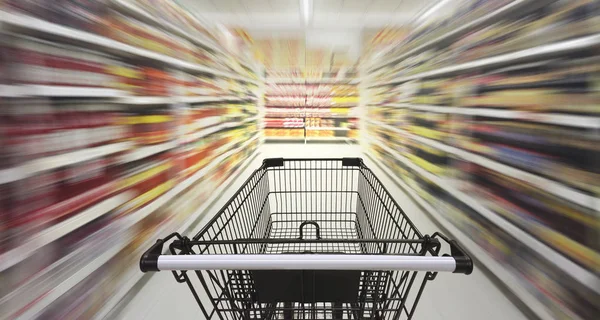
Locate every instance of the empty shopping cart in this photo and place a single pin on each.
(308, 239)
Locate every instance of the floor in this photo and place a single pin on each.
(449, 296)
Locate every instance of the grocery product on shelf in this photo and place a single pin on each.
(312, 103)
(38, 62)
(110, 117)
(87, 15)
(502, 149)
(35, 277)
(151, 126)
(139, 34)
(297, 133)
(171, 13)
(284, 123)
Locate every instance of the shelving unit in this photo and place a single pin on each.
(548, 51)
(33, 167)
(23, 24)
(323, 108)
(440, 128)
(481, 255)
(195, 141)
(461, 30)
(133, 275)
(589, 122)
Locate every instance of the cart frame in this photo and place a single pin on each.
(308, 239)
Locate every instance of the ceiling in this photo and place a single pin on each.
(326, 14)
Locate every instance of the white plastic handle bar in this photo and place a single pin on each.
(305, 262)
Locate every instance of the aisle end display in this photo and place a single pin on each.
(304, 105)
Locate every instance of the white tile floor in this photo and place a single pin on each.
(449, 296)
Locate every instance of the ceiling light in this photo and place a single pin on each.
(306, 9)
(432, 10)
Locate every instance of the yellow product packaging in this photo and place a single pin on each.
(344, 100)
(130, 181)
(151, 194)
(426, 132)
(133, 120)
(340, 110)
(435, 169)
(125, 72)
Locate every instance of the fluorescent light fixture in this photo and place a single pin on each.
(306, 9)
(432, 9)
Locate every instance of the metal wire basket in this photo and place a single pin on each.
(308, 239)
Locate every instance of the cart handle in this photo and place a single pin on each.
(458, 262)
(306, 262)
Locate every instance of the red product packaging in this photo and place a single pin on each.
(28, 129)
(80, 177)
(29, 197)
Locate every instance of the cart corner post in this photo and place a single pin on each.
(272, 162)
(352, 162)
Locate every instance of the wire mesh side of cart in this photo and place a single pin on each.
(308, 206)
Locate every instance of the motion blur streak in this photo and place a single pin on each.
(121, 118)
(119, 121)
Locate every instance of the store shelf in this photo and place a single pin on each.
(576, 271)
(282, 107)
(283, 115)
(556, 188)
(140, 214)
(333, 116)
(140, 14)
(517, 6)
(508, 278)
(205, 122)
(134, 275)
(50, 234)
(395, 105)
(25, 24)
(201, 99)
(35, 310)
(255, 118)
(133, 100)
(33, 167)
(10, 91)
(331, 81)
(329, 128)
(64, 91)
(208, 131)
(329, 138)
(557, 49)
(286, 81)
(283, 127)
(311, 81)
(147, 151)
(589, 122)
(129, 221)
(284, 138)
(308, 107)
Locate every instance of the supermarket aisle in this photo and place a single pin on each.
(450, 296)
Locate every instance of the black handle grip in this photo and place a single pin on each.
(464, 263)
(149, 260)
(317, 228)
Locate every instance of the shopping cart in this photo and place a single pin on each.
(308, 239)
